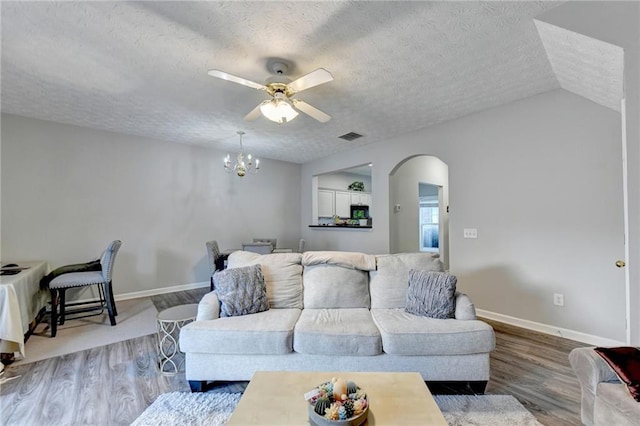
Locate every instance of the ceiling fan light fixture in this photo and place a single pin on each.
(278, 110)
(281, 108)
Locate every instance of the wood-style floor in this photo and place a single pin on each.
(112, 385)
(534, 367)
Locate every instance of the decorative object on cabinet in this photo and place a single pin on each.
(356, 186)
(241, 167)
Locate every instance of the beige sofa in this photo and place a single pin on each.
(337, 311)
(605, 399)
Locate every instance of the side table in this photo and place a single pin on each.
(170, 321)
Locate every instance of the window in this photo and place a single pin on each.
(429, 224)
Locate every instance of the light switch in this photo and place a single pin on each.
(470, 233)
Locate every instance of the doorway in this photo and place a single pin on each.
(418, 199)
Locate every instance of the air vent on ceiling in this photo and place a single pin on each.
(350, 136)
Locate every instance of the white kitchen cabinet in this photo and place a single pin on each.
(326, 203)
(335, 202)
(343, 203)
(360, 198)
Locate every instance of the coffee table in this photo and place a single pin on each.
(277, 398)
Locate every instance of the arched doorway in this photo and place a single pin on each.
(416, 185)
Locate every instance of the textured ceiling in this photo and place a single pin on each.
(583, 65)
(141, 67)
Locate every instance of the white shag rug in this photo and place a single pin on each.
(210, 409)
(189, 409)
(481, 410)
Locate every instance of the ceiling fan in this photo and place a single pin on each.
(280, 108)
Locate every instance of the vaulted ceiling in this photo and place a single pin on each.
(140, 68)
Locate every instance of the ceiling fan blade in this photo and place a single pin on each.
(230, 77)
(255, 113)
(313, 79)
(311, 111)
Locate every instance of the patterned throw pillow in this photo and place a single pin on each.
(431, 294)
(241, 291)
(625, 361)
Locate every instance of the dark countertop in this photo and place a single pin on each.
(341, 226)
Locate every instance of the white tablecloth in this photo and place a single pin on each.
(20, 301)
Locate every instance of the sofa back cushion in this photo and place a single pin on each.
(282, 274)
(331, 286)
(336, 279)
(389, 283)
(347, 259)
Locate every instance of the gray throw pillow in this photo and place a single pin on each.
(241, 291)
(431, 294)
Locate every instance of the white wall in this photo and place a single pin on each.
(527, 176)
(547, 121)
(618, 23)
(68, 191)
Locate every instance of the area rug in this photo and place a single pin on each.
(136, 318)
(200, 409)
(483, 410)
(189, 409)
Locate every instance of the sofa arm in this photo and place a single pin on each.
(209, 307)
(590, 370)
(465, 310)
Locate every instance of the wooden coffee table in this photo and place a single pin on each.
(277, 398)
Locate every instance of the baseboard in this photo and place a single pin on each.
(550, 329)
(161, 290)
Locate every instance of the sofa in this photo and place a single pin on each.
(605, 399)
(337, 311)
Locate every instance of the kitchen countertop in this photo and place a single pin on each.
(341, 226)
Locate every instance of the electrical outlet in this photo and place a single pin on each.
(558, 299)
(470, 233)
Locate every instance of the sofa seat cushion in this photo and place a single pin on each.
(337, 332)
(264, 333)
(407, 334)
(615, 406)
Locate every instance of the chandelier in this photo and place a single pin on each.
(241, 167)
